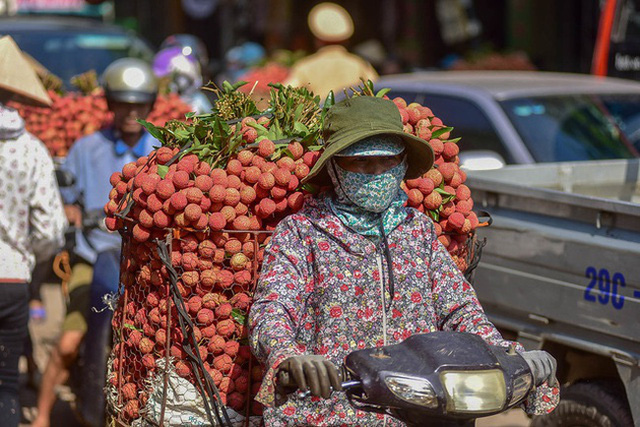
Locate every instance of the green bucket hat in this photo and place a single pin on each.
(355, 119)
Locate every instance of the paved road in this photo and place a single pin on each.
(45, 334)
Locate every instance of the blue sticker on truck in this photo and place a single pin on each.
(605, 288)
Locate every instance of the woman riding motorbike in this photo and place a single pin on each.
(355, 268)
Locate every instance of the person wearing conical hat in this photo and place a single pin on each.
(32, 219)
(332, 67)
(356, 268)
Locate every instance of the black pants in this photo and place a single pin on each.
(14, 316)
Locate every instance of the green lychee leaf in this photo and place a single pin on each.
(434, 215)
(437, 133)
(238, 315)
(162, 170)
(130, 326)
(442, 192)
(154, 131)
(382, 92)
(454, 140)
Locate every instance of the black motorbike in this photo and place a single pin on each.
(440, 379)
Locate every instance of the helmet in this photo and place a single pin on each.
(183, 70)
(130, 80)
(190, 45)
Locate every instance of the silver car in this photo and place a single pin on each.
(508, 117)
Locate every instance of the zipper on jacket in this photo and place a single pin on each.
(382, 294)
(384, 311)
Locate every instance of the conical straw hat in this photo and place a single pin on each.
(18, 77)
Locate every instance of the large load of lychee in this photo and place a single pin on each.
(196, 215)
(75, 114)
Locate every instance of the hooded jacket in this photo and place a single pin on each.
(322, 290)
(32, 219)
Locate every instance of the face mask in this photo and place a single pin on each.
(373, 193)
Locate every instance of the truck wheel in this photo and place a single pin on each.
(592, 404)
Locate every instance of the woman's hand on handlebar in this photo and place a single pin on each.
(74, 215)
(313, 371)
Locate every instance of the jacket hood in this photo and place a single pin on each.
(11, 124)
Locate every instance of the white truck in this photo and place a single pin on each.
(561, 272)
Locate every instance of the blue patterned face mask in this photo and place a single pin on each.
(373, 193)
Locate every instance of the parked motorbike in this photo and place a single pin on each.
(443, 379)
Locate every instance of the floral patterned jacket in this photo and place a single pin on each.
(321, 291)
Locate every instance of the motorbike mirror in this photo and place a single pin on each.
(65, 178)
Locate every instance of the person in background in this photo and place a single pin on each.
(332, 67)
(32, 220)
(130, 89)
(185, 77)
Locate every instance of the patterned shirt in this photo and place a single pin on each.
(32, 219)
(322, 290)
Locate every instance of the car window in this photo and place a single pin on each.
(67, 54)
(468, 120)
(576, 127)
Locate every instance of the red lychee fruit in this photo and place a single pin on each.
(216, 345)
(192, 212)
(219, 177)
(432, 201)
(194, 195)
(181, 179)
(140, 233)
(456, 220)
(301, 171)
(146, 345)
(129, 171)
(435, 176)
(205, 316)
(266, 181)
(244, 157)
(437, 146)
(161, 220)
(115, 178)
(217, 193)
(164, 189)
(234, 182)
(447, 170)
(163, 155)
(310, 158)
(463, 192)
(415, 197)
(234, 167)
(296, 150)
(266, 148)
(249, 135)
(232, 197)
(223, 363)
(178, 201)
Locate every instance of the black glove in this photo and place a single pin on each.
(542, 365)
(314, 371)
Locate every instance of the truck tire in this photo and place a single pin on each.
(588, 404)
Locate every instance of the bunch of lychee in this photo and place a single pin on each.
(440, 192)
(219, 220)
(215, 289)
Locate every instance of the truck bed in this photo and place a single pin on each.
(562, 259)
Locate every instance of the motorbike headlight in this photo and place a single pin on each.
(474, 391)
(418, 391)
